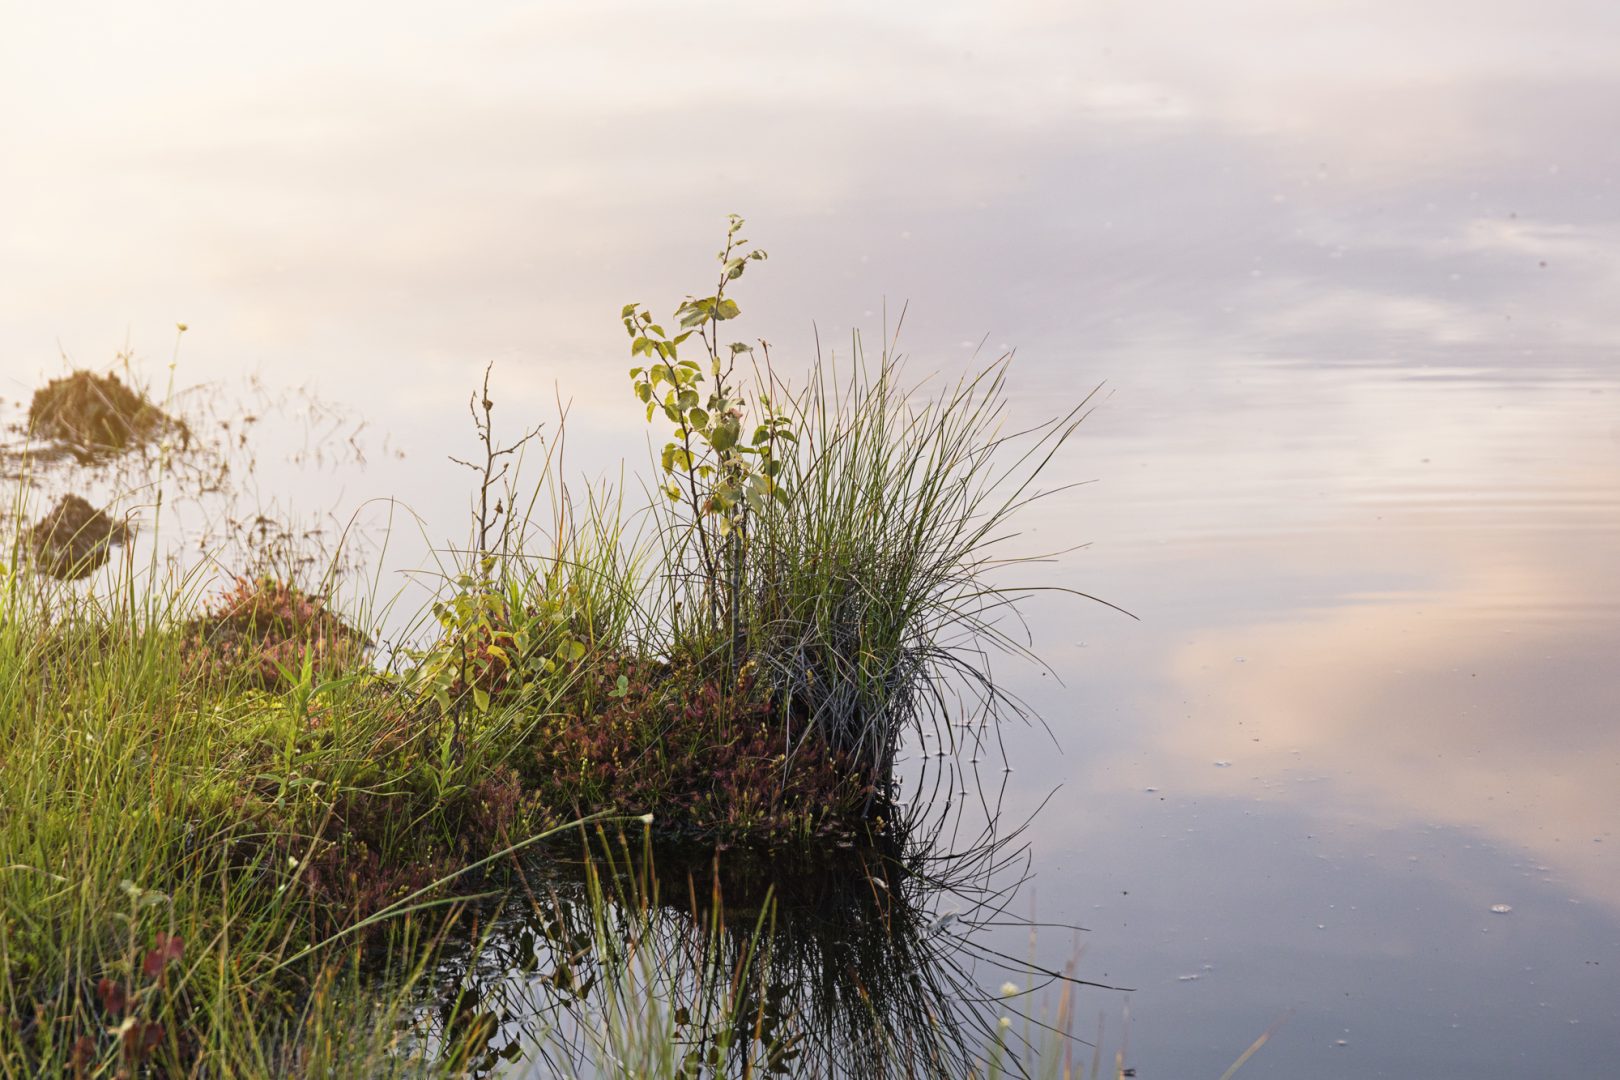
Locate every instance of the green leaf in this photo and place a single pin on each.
(698, 418)
(695, 312)
(726, 309)
(724, 436)
(480, 699)
(629, 310)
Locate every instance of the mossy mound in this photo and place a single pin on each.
(95, 417)
(260, 630)
(708, 758)
(74, 540)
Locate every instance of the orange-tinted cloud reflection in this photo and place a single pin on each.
(1489, 702)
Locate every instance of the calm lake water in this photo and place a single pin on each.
(1347, 274)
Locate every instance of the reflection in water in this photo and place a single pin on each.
(866, 963)
(181, 475)
(1387, 597)
(1422, 612)
(1349, 270)
(1420, 702)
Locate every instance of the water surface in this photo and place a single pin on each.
(1348, 274)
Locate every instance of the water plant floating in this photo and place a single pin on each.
(95, 417)
(75, 539)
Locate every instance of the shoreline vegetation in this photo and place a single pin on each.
(238, 835)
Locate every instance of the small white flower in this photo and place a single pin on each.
(1005, 1022)
(1009, 989)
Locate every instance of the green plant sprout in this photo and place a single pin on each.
(709, 468)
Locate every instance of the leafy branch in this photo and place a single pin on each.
(710, 469)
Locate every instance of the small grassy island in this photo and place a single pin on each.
(236, 826)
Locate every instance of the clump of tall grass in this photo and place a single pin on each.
(137, 924)
(875, 583)
(842, 542)
(202, 877)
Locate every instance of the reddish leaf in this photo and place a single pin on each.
(168, 949)
(141, 1038)
(113, 998)
(84, 1052)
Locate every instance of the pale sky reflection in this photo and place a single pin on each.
(1348, 268)
(1399, 586)
(1482, 703)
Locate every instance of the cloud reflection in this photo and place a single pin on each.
(1480, 699)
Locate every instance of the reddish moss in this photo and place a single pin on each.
(495, 803)
(260, 631)
(701, 756)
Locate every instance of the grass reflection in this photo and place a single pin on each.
(867, 962)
